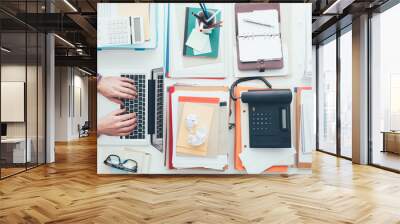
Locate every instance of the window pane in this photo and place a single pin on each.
(346, 94)
(386, 89)
(327, 97)
(31, 97)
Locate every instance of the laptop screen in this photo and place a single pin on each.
(3, 129)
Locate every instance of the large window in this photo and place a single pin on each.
(335, 94)
(346, 93)
(327, 97)
(385, 89)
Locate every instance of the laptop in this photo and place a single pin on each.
(149, 109)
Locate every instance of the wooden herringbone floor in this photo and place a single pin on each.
(69, 191)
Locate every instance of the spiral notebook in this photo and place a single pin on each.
(259, 44)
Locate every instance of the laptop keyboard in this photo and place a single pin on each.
(137, 106)
(160, 106)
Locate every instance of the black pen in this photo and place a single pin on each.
(203, 7)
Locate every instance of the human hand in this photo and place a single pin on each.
(117, 123)
(117, 88)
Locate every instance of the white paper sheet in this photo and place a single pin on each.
(307, 123)
(258, 160)
(199, 41)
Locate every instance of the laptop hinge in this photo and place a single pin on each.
(152, 107)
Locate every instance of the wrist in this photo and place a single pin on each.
(99, 83)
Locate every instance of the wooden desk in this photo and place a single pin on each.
(16, 146)
(391, 141)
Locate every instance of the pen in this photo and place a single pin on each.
(258, 23)
(215, 14)
(203, 7)
(218, 24)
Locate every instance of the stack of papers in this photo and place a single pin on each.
(307, 122)
(256, 161)
(211, 110)
(305, 142)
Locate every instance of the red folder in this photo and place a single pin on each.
(171, 90)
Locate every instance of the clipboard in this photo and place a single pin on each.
(261, 65)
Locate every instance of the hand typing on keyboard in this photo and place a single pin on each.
(117, 123)
(117, 88)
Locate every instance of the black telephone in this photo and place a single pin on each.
(269, 117)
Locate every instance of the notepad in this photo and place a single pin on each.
(204, 114)
(259, 36)
(199, 41)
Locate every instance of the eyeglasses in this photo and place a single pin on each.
(114, 161)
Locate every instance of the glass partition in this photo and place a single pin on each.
(23, 89)
(327, 97)
(346, 94)
(13, 92)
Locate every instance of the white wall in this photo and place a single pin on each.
(70, 83)
(61, 103)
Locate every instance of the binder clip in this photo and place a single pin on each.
(261, 65)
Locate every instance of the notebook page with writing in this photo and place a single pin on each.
(250, 23)
(259, 36)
